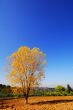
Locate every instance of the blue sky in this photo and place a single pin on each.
(46, 24)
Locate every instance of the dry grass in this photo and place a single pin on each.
(39, 103)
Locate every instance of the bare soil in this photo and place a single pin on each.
(38, 103)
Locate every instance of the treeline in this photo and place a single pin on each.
(5, 91)
(8, 91)
(57, 91)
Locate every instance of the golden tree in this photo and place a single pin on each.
(26, 68)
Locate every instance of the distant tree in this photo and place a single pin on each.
(26, 68)
(5, 89)
(69, 89)
(1, 86)
(60, 88)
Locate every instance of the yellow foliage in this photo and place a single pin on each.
(26, 67)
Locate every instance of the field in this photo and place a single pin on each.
(38, 103)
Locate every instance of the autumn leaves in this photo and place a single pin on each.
(26, 68)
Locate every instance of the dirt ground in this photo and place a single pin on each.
(38, 103)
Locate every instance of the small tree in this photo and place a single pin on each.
(60, 88)
(69, 89)
(26, 68)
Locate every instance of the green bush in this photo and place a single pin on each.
(9, 95)
(60, 88)
(2, 95)
(71, 93)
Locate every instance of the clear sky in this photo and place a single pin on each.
(46, 24)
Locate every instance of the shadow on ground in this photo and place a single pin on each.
(51, 102)
(4, 105)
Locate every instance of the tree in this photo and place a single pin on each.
(26, 68)
(69, 89)
(60, 88)
(5, 90)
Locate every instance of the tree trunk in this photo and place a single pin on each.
(27, 95)
(26, 98)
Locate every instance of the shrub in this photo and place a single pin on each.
(9, 95)
(60, 88)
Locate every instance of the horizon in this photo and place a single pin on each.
(47, 25)
(39, 86)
